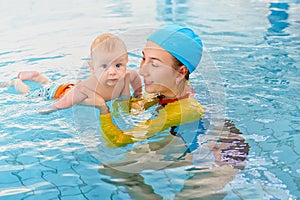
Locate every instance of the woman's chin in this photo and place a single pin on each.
(150, 89)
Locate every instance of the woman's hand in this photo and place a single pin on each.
(93, 99)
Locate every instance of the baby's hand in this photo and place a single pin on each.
(47, 111)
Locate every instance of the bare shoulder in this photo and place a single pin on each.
(128, 76)
(90, 82)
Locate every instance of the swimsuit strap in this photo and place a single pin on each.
(164, 102)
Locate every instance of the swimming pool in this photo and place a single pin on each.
(254, 45)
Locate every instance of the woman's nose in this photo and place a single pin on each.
(143, 71)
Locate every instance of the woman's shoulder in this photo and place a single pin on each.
(186, 102)
(188, 105)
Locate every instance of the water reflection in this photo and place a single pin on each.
(172, 10)
(278, 62)
(191, 176)
(119, 9)
(278, 18)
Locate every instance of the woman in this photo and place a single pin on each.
(171, 54)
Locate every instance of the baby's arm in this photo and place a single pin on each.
(71, 98)
(135, 82)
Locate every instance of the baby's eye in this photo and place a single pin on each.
(104, 66)
(118, 65)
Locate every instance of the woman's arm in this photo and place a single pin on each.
(133, 105)
(173, 114)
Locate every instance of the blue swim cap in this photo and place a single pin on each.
(181, 42)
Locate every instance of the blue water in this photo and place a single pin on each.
(254, 48)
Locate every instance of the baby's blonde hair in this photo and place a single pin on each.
(107, 42)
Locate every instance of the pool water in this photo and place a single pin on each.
(254, 47)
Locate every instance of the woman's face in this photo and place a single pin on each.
(156, 68)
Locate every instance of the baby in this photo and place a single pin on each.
(109, 78)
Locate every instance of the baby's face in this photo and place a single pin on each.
(109, 68)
